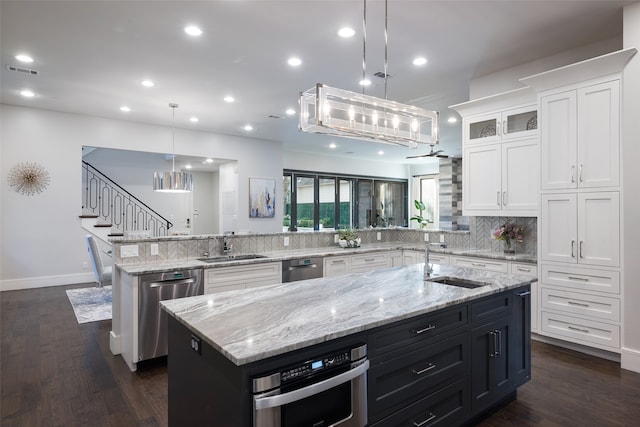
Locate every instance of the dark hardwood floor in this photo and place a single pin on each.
(55, 372)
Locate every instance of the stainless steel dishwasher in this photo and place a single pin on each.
(152, 324)
(301, 269)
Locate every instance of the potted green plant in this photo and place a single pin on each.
(422, 221)
(347, 238)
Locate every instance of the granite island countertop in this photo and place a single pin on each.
(253, 324)
(162, 266)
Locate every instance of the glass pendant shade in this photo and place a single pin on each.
(172, 182)
(327, 110)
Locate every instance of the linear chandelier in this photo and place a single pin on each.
(339, 112)
(173, 181)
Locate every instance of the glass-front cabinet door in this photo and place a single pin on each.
(519, 123)
(484, 129)
(495, 127)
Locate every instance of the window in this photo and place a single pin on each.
(426, 189)
(314, 202)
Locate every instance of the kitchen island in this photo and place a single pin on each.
(219, 342)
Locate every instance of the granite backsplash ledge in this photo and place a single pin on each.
(182, 248)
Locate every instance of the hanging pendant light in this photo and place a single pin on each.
(331, 111)
(173, 181)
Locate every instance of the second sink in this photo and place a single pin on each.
(462, 283)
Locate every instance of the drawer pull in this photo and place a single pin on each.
(431, 417)
(477, 264)
(573, 328)
(582, 279)
(577, 303)
(422, 371)
(337, 261)
(524, 294)
(369, 259)
(528, 270)
(423, 330)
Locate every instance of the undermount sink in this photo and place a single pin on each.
(227, 258)
(462, 283)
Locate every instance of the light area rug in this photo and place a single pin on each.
(91, 304)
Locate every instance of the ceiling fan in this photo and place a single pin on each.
(431, 154)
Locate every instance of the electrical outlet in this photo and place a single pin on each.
(442, 238)
(335, 238)
(426, 237)
(196, 344)
(85, 265)
(286, 240)
(379, 235)
(154, 249)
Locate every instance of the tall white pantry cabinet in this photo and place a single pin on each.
(579, 224)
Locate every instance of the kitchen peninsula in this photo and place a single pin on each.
(411, 326)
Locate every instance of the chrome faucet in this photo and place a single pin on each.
(428, 268)
(227, 247)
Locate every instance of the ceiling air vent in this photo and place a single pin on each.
(381, 75)
(22, 70)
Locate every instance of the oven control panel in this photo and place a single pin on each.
(312, 366)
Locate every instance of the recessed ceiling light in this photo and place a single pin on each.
(294, 62)
(365, 82)
(452, 119)
(332, 145)
(380, 153)
(290, 111)
(420, 60)
(125, 109)
(192, 30)
(27, 93)
(147, 83)
(24, 58)
(229, 98)
(248, 128)
(194, 120)
(187, 166)
(346, 32)
(209, 160)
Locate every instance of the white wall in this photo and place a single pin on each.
(631, 196)
(41, 240)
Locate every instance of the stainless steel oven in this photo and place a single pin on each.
(330, 390)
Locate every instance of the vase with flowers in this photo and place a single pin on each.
(509, 232)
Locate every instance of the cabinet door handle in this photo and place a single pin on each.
(580, 173)
(573, 328)
(430, 417)
(582, 279)
(504, 198)
(573, 243)
(579, 304)
(504, 127)
(492, 352)
(497, 127)
(580, 249)
(498, 338)
(429, 367)
(524, 294)
(423, 330)
(573, 169)
(498, 198)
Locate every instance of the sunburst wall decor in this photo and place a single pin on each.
(28, 178)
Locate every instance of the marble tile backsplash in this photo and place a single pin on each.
(479, 236)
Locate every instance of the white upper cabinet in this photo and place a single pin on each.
(580, 137)
(502, 125)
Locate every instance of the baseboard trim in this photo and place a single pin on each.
(630, 359)
(45, 281)
(603, 354)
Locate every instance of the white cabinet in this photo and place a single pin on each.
(241, 277)
(396, 258)
(497, 126)
(369, 262)
(501, 179)
(581, 228)
(580, 137)
(336, 265)
(480, 264)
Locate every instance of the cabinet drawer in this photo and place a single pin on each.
(481, 264)
(445, 407)
(209, 289)
(523, 269)
(438, 259)
(368, 262)
(420, 330)
(336, 266)
(583, 304)
(582, 331)
(491, 307)
(588, 279)
(415, 373)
